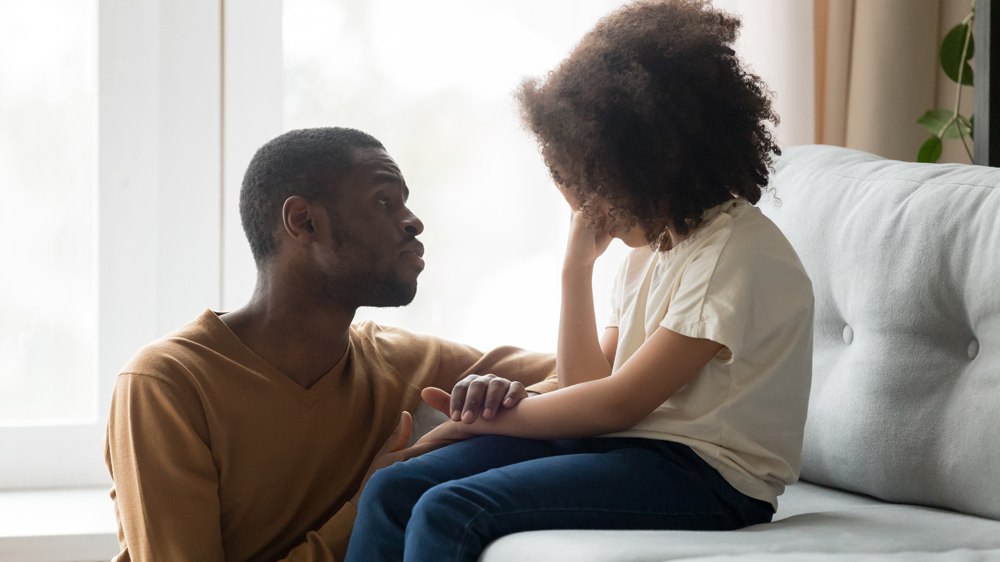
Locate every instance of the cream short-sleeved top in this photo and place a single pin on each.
(736, 281)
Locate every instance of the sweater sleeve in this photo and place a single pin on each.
(550, 383)
(536, 371)
(166, 487)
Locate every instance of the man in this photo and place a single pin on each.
(248, 436)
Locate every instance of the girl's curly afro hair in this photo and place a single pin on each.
(654, 113)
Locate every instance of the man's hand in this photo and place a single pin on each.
(395, 450)
(449, 431)
(477, 395)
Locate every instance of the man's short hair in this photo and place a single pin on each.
(308, 163)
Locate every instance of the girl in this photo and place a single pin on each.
(688, 412)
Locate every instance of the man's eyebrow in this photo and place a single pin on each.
(387, 177)
(383, 177)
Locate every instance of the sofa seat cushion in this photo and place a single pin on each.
(963, 555)
(810, 519)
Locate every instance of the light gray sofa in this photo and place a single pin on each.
(901, 459)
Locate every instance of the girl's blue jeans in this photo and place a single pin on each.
(448, 505)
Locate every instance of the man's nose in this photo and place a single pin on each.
(412, 225)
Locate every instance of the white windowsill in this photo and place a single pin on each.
(57, 526)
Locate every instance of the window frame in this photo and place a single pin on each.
(159, 219)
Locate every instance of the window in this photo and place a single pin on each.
(433, 80)
(110, 179)
(48, 301)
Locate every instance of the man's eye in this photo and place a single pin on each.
(383, 201)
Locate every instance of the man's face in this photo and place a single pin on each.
(375, 256)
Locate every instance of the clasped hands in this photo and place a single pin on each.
(476, 396)
(462, 406)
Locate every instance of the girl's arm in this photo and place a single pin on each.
(664, 364)
(580, 356)
(609, 344)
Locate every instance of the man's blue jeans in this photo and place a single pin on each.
(449, 504)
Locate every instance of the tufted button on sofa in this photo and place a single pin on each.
(901, 455)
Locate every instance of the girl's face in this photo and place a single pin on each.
(634, 237)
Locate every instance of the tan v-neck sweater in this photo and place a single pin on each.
(217, 456)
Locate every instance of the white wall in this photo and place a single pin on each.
(189, 202)
(254, 98)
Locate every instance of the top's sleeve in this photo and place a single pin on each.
(166, 487)
(712, 301)
(614, 319)
(536, 371)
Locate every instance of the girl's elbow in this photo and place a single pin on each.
(622, 416)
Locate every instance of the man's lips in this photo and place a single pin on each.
(413, 248)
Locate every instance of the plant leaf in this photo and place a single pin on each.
(951, 54)
(930, 151)
(972, 126)
(935, 119)
(967, 75)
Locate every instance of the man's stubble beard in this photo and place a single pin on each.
(357, 285)
(368, 288)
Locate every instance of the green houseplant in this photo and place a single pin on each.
(957, 48)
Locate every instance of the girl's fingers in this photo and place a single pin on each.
(422, 446)
(446, 432)
(437, 399)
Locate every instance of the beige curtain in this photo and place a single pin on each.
(877, 71)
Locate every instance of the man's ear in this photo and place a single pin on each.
(297, 217)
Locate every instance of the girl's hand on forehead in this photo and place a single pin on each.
(586, 243)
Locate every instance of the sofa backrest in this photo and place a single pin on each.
(905, 264)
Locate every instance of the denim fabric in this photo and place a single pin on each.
(448, 505)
